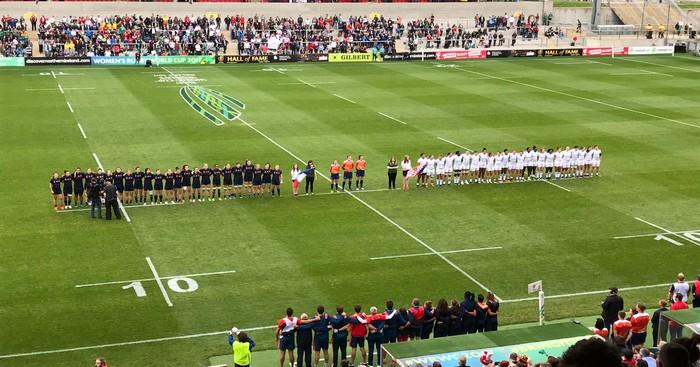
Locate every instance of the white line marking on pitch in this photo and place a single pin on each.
(584, 293)
(82, 131)
(666, 231)
(152, 279)
(60, 88)
(653, 234)
(370, 207)
(581, 98)
(70, 107)
(655, 64)
(121, 207)
(159, 281)
(455, 144)
(441, 252)
(53, 74)
(356, 192)
(298, 83)
(125, 206)
(143, 341)
(553, 184)
(345, 99)
(393, 118)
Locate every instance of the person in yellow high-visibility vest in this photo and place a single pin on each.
(242, 346)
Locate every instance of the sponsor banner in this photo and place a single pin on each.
(525, 53)
(315, 57)
(155, 60)
(356, 57)
(652, 50)
(536, 352)
(11, 61)
(422, 55)
(241, 59)
(498, 53)
(605, 51)
(79, 60)
(397, 57)
(562, 52)
(284, 58)
(461, 54)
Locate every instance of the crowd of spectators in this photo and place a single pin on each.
(258, 35)
(13, 37)
(116, 35)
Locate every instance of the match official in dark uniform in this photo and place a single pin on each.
(111, 203)
(611, 306)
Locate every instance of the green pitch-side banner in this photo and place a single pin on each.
(11, 61)
(156, 60)
(359, 57)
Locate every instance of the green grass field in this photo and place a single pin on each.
(305, 251)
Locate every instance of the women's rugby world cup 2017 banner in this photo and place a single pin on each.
(155, 60)
(215, 106)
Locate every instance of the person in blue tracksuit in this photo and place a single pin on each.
(340, 325)
(321, 334)
(467, 309)
(304, 341)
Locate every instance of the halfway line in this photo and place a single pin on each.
(159, 281)
(441, 252)
(70, 107)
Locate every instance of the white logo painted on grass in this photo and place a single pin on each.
(179, 78)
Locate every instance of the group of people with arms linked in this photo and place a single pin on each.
(475, 313)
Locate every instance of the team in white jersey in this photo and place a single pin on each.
(463, 168)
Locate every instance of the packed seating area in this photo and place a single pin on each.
(114, 35)
(13, 37)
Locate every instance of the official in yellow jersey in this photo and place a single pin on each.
(242, 346)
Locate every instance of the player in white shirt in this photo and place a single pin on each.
(520, 166)
(490, 167)
(483, 161)
(588, 162)
(580, 161)
(558, 163)
(549, 163)
(457, 167)
(540, 163)
(420, 180)
(497, 167)
(440, 169)
(529, 168)
(474, 167)
(597, 155)
(512, 158)
(566, 162)
(429, 170)
(464, 178)
(449, 161)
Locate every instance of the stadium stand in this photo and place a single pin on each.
(13, 37)
(636, 13)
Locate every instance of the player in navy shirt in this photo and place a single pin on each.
(196, 185)
(228, 180)
(109, 177)
(340, 324)
(321, 327)
(147, 186)
(187, 183)
(101, 176)
(266, 177)
(216, 182)
(276, 180)
(206, 182)
(248, 169)
(78, 187)
(177, 184)
(67, 181)
(119, 179)
(237, 179)
(257, 180)
(158, 186)
(170, 186)
(55, 186)
(138, 185)
(128, 187)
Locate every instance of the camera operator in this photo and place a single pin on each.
(95, 196)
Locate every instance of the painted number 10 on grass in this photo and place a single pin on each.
(190, 285)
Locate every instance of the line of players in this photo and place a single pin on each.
(174, 185)
(489, 167)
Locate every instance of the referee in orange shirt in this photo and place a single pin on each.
(348, 165)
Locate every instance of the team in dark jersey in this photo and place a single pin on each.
(176, 185)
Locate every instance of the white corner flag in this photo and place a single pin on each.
(534, 287)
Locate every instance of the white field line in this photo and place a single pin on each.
(662, 65)
(581, 98)
(666, 231)
(60, 88)
(345, 99)
(654, 72)
(298, 83)
(441, 252)
(159, 281)
(630, 73)
(152, 279)
(568, 295)
(53, 74)
(121, 207)
(40, 89)
(598, 62)
(392, 118)
(370, 207)
(356, 192)
(559, 186)
(198, 85)
(82, 131)
(653, 234)
(694, 58)
(125, 206)
(70, 107)
(307, 83)
(135, 342)
(455, 144)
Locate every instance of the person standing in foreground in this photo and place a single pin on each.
(295, 183)
(310, 178)
(675, 329)
(304, 341)
(611, 306)
(111, 204)
(348, 166)
(340, 326)
(242, 346)
(679, 287)
(657, 329)
(358, 332)
(640, 321)
(285, 336)
(392, 169)
(405, 167)
(696, 292)
(321, 335)
(360, 167)
(95, 198)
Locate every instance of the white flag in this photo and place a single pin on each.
(534, 287)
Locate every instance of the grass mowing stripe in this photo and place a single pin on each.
(159, 281)
(144, 341)
(581, 98)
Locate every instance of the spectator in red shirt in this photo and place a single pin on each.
(622, 327)
(640, 321)
(600, 329)
(358, 332)
(416, 316)
(675, 329)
